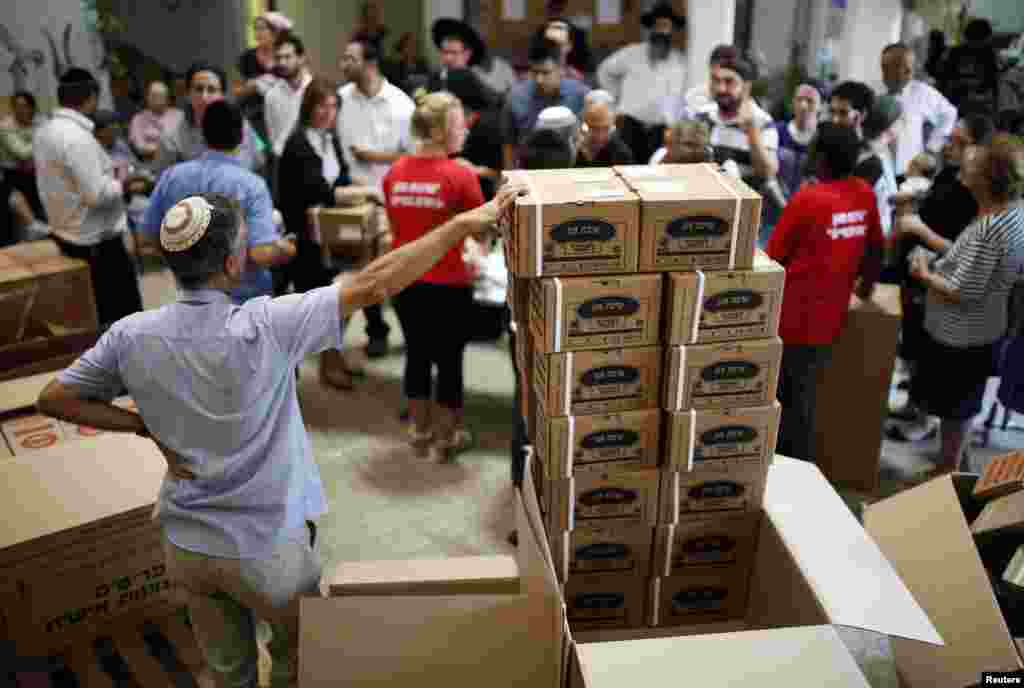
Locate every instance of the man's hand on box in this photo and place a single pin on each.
(493, 215)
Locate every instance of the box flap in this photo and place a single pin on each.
(1001, 514)
(849, 575)
(56, 489)
(924, 534)
(488, 575)
(22, 392)
(811, 656)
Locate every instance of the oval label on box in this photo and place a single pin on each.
(698, 226)
(716, 489)
(728, 434)
(710, 544)
(734, 300)
(603, 550)
(700, 597)
(608, 307)
(39, 441)
(599, 600)
(607, 495)
(730, 370)
(610, 438)
(583, 229)
(610, 375)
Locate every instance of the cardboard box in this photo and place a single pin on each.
(1001, 515)
(806, 657)
(604, 498)
(703, 307)
(32, 433)
(575, 445)
(924, 533)
(719, 542)
(354, 232)
(606, 601)
(572, 225)
(694, 218)
(519, 301)
(599, 549)
(698, 494)
(21, 393)
(853, 391)
(702, 597)
(578, 313)
(698, 439)
(1002, 476)
(724, 375)
(589, 382)
(489, 575)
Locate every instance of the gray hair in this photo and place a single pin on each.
(599, 96)
(204, 260)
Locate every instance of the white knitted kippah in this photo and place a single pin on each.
(185, 224)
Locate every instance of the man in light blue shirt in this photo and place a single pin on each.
(215, 390)
(219, 171)
(545, 88)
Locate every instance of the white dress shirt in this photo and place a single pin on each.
(641, 87)
(281, 107)
(379, 123)
(921, 103)
(330, 166)
(83, 201)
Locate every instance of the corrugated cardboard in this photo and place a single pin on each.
(693, 218)
(450, 639)
(1003, 475)
(572, 225)
(621, 496)
(853, 391)
(924, 533)
(599, 549)
(699, 597)
(578, 313)
(32, 433)
(812, 657)
(21, 393)
(580, 444)
(490, 575)
(606, 601)
(724, 375)
(695, 439)
(525, 357)
(722, 541)
(722, 488)
(703, 307)
(589, 382)
(1003, 514)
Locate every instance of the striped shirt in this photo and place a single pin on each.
(731, 143)
(983, 265)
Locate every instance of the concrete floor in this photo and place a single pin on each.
(387, 504)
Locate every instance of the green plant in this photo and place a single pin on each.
(99, 16)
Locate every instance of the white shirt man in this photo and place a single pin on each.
(922, 104)
(374, 117)
(282, 102)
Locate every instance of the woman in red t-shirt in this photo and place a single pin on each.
(422, 192)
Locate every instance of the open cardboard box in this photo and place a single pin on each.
(925, 534)
(814, 567)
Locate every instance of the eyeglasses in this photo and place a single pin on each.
(207, 88)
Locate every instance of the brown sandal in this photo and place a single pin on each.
(333, 371)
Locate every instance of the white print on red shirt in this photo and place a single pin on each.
(848, 225)
(416, 195)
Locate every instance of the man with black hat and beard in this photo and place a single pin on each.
(642, 75)
(461, 47)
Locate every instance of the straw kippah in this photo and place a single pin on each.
(185, 224)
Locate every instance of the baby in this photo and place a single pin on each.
(920, 173)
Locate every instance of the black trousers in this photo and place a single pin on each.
(433, 318)
(798, 392)
(114, 282)
(642, 139)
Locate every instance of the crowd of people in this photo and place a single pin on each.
(863, 183)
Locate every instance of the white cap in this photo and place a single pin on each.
(185, 224)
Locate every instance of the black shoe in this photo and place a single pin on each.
(377, 348)
(513, 538)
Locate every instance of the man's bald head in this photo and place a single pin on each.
(599, 119)
(158, 97)
(897, 66)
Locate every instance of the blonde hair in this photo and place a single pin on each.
(431, 113)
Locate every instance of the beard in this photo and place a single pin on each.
(660, 44)
(728, 105)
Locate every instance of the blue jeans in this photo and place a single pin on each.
(225, 597)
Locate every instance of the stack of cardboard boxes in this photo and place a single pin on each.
(648, 353)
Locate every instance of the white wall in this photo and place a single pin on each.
(772, 33)
(432, 11)
(24, 27)
(869, 26)
(708, 24)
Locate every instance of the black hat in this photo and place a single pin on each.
(663, 10)
(468, 88)
(102, 119)
(447, 27)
